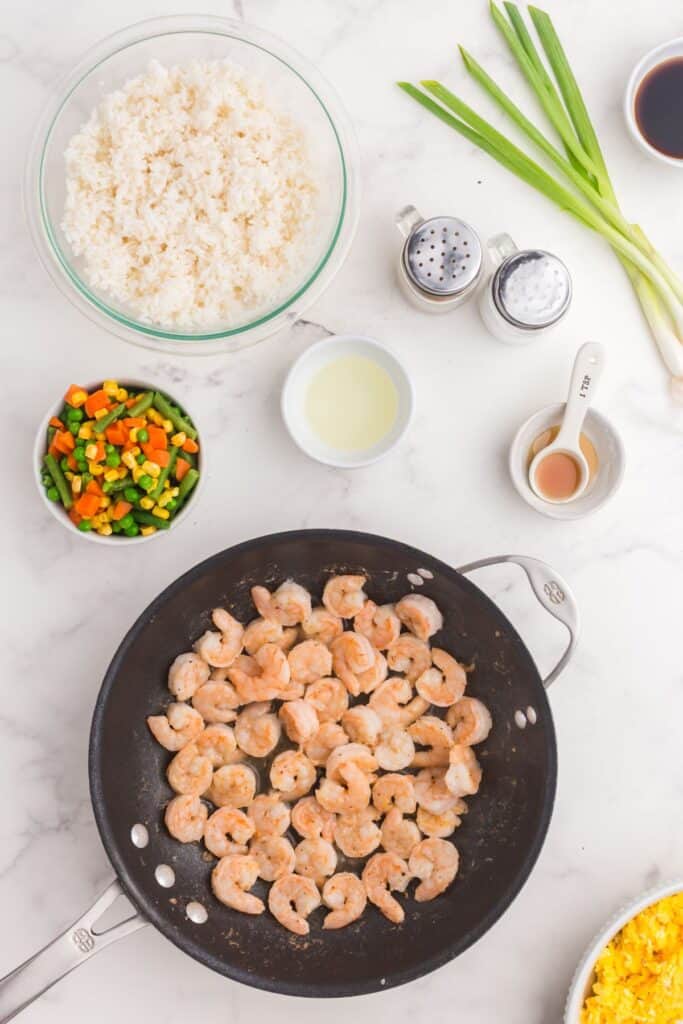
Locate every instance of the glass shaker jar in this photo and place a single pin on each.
(527, 294)
(441, 261)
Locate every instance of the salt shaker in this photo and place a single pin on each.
(441, 260)
(527, 294)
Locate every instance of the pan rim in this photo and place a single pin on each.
(313, 989)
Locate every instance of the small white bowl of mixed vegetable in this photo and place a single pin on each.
(118, 462)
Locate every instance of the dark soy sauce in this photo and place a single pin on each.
(659, 107)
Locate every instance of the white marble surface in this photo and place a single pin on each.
(66, 604)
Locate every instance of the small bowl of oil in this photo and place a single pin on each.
(347, 401)
(602, 448)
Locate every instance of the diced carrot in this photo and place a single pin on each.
(120, 509)
(87, 505)
(64, 442)
(133, 421)
(53, 450)
(116, 434)
(191, 446)
(74, 516)
(98, 400)
(56, 422)
(181, 468)
(75, 396)
(157, 437)
(161, 457)
(100, 454)
(94, 488)
(73, 465)
(130, 402)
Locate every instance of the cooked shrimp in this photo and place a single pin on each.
(345, 895)
(394, 790)
(300, 720)
(439, 826)
(389, 698)
(316, 859)
(185, 818)
(431, 791)
(344, 595)
(351, 753)
(217, 702)
(470, 720)
(321, 745)
(291, 899)
(399, 835)
(395, 749)
(189, 773)
(217, 742)
(463, 777)
(419, 614)
(308, 661)
(443, 684)
(380, 624)
(187, 673)
(352, 655)
(384, 873)
(228, 830)
(362, 724)
(260, 632)
(434, 733)
(356, 834)
(230, 880)
(275, 856)
(289, 605)
(233, 785)
(220, 649)
(292, 774)
(435, 862)
(409, 655)
(351, 794)
(262, 677)
(329, 697)
(257, 731)
(179, 726)
(435, 757)
(312, 821)
(270, 815)
(322, 625)
(375, 675)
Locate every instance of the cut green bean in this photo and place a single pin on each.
(142, 404)
(113, 414)
(186, 484)
(147, 519)
(165, 473)
(163, 406)
(59, 481)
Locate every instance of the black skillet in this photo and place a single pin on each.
(499, 840)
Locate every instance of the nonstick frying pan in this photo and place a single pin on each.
(499, 840)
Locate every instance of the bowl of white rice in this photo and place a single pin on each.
(193, 186)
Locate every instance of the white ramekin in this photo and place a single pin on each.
(57, 510)
(666, 51)
(582, 982)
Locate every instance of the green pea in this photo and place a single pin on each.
(85, 525)
(82, 465)
(109, 448)
(171, 505)
(53, 494)
(74, 428)
(140, 459)
(113, 460)
(107, 487)
(143, 435)
(116, 527)
(146, 482)
(131, 494)
(74, 414)
(132, 531)
(64, 465)
(126, 521)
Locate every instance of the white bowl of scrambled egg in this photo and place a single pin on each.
(633, 969)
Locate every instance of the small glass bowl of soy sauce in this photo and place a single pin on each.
(654, 102)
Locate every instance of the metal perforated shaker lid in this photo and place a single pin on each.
(443, 256)
(532, 289)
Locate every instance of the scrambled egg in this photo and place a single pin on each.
(639, 975)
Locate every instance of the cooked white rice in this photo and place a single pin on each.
(189, 199)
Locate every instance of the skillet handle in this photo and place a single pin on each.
(70, 949)
(551, 591)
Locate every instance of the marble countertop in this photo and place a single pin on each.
(618, 707)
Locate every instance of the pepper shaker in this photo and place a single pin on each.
(441, 260)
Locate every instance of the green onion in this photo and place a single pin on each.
(591, 198)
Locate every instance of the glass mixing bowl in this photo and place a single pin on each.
(299, 91)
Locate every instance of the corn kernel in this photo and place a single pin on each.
(175, 491)
(151, 467)
(85, 432)
(121, 395)
(167, 425)
(110, 387)
(99, 437)
(91, 451)
(147, 531)
(101, 413)
(78, 398)
(105, 530)
(179, 439)
(135, 450)
(147, 503)
(95, 468)
(133, 435)
(76, 485)
(111, 475)
(164, 499)
(128, 459)
(98, 519)
(155, 417)
(105, 501)
(68, 475)
(162, 513)
(122, 471)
